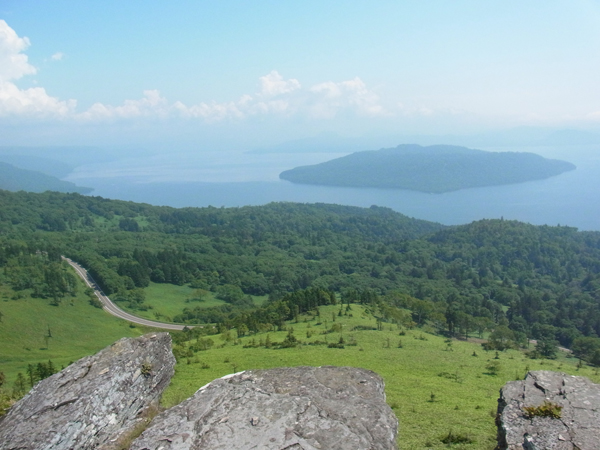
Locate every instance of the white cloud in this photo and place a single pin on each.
(276, 96)
(211, 112)
(330, 98)
(31, 102)
(151, 105)
(273, 84)
(14, 65)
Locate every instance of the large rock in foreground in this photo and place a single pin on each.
(94, 402)
(578, 426)
(301, 408)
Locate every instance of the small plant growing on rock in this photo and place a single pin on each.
(146, 368)
(548, 409)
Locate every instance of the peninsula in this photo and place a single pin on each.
(16, 179)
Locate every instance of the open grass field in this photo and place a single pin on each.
(77, 329)
(433, 387)
(165, 301)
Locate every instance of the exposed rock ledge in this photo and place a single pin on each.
(93, 402)
(97, 403)
(577, 428)
(300, 408)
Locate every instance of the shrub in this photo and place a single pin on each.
(548, 409)
(458, 438)
(493, 367)
(146, 368)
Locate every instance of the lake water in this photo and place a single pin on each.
(235, 179)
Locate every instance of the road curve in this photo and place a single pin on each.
(113, 309)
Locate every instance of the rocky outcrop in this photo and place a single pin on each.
(103, 401)
(95, 402)
(549, 410)
(301, 408)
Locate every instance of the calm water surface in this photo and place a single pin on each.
(234, 179)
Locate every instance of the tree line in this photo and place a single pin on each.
(523, 281)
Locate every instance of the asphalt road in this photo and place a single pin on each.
(113, 309)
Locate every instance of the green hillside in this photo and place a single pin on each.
(34, 331)
(362, 274)
(436, 169)
(14, 179)
(540, 281)
(435, 385)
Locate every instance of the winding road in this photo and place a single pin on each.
(113, 309)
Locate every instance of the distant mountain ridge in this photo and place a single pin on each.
(14, 179)
(434, 169)
(47, 166)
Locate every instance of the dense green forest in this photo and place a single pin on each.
(437, 168)
(512, 280)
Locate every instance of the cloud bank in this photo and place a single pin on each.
(275, 96)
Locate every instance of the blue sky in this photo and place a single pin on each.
(252, 73)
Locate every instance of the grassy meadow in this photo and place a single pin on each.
(434, 385)
(165, 301)
(77, 329)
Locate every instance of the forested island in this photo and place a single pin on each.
(434, 169)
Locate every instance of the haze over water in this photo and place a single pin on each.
(238, 179)
(185, 79)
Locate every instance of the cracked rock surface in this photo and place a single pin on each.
(94, 402)
(577, 428)
(300, 408)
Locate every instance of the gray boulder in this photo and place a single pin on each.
(287, 408)
(94, 403)
(578, 426)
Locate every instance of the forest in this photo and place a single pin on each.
(507, 280)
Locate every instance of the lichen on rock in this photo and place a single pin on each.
(304, 408)
(95, 402)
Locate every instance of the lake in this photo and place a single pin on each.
(238, 179)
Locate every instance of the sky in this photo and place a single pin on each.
(204, 74)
